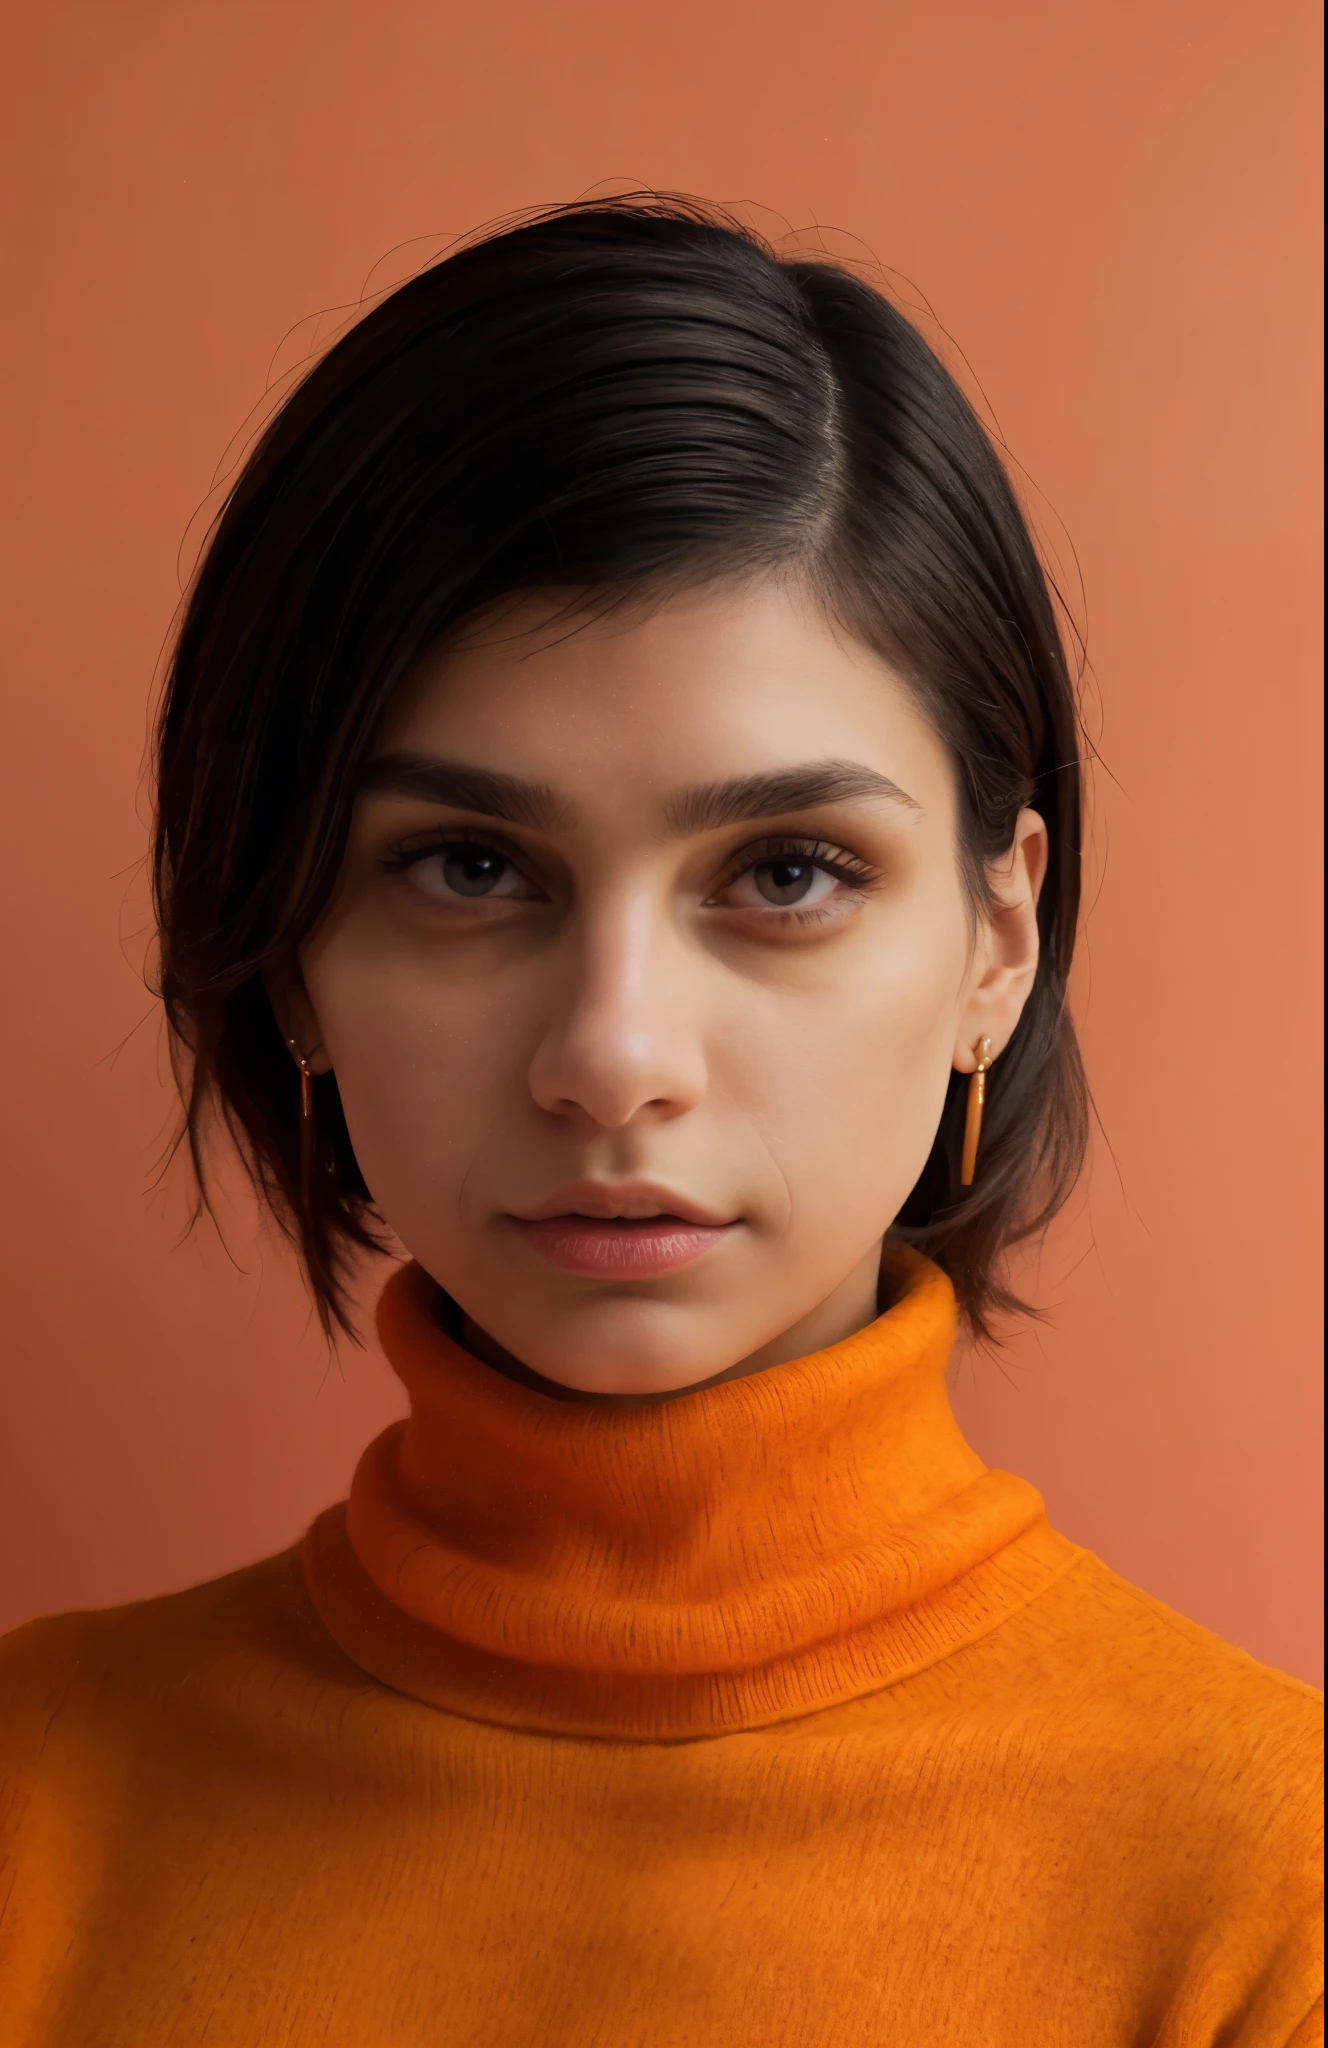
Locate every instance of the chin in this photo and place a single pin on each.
(628, 1347)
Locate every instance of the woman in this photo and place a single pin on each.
(619, 835)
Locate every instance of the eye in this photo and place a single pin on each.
(793, 877)
(792, 881)
(465, 872)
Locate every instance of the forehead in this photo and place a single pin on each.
(729, 681)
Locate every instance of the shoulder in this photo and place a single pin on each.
(98, 1678)
(1219, 1764)
(1167, 1784)
(217, 1610)
(1187, 1760)
(1202, 1742)
(1162, 1665)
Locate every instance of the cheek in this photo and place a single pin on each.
(847, 1085)
(422, 1069)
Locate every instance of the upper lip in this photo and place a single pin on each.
(630, 1199)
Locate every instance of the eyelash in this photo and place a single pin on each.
(832, 860)
(407, 852)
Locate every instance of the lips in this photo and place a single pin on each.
(634, 1232)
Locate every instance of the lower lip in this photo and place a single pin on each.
(597, 1250)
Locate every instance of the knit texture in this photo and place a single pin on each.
(759, 1718)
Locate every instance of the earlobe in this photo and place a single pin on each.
(981, 1053)
(297, 1022)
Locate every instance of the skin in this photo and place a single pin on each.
(600, 995)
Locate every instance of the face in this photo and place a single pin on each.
(646, 973)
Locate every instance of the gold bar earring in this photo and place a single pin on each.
(977, 1098)
(306, 1080)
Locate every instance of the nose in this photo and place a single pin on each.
(624, 1042)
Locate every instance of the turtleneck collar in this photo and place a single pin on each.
(733, 1557)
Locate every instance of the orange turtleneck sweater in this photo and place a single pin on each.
(760, 1718)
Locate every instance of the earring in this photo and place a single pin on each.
(977, 1097)
(306, 1080)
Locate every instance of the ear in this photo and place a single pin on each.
(297, 1020)
(1005, 958)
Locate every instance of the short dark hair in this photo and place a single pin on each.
(633, 395)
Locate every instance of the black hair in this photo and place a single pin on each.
(634, 395)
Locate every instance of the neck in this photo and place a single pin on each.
(774, 1542)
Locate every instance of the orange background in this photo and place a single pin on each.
(1109, 205)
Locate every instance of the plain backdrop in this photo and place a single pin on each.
(1105, 216)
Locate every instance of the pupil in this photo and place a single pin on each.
(473, 872)
(785, 881)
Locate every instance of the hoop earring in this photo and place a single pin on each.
(977, 1098)
(306, 1080)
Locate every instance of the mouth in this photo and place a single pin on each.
(630, 1232)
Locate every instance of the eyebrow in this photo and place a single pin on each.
(802, 788)
(485, 790)
(706, 808)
